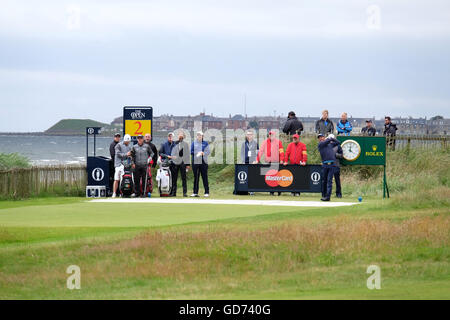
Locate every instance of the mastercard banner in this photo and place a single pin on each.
(290, 178)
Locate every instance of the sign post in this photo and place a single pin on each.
(98, 169)
(137, 120)
(367, 151)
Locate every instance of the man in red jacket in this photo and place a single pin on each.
(272, 150)
(296, 154)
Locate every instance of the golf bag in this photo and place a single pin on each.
(126, 182)
(164, 178)
(148, 188)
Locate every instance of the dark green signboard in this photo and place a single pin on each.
(363, 150)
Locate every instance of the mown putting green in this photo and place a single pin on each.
(86, 214)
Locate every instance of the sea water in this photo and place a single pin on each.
(54, 150)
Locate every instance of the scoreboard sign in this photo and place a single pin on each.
(137, 120)
(363, 150)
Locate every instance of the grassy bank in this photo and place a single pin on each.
(146, 251)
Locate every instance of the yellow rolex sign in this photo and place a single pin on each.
(374, 152)
(137, 120)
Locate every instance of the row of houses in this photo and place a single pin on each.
(165, 123)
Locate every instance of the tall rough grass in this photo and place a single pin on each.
(13, 160)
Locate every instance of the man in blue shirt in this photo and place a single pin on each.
(166, 148)
(344, 126)
(199, 154)
(328, 155)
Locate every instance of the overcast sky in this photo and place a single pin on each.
(80, 59)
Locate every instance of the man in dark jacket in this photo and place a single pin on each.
(369, 130)
(324, 125)
(148, 140)
(140, 154)
(166, 148)
(328, 155)
(337, 172)
(389, 132)
(199, 154)
(293, 125)
(166, 153)
(112, 146)
(180, 160)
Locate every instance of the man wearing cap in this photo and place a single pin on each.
(328, 155)
(337, 171)
(272, 150)
(292, 125)
(199, 153)
(121, 152)
(296, 154)
(140, 154)
(369, 130)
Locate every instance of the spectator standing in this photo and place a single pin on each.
(369, 129)
(296, 154)
(292, 125)
(165, 152)
(249, 149)
(112, 153)
(181, 163)
(112, 146)
(199, 153)
(272, 150)
(324, 125)
(389, 132)
(344, 127)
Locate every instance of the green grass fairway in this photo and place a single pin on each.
(202, 251)
(86, 214)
